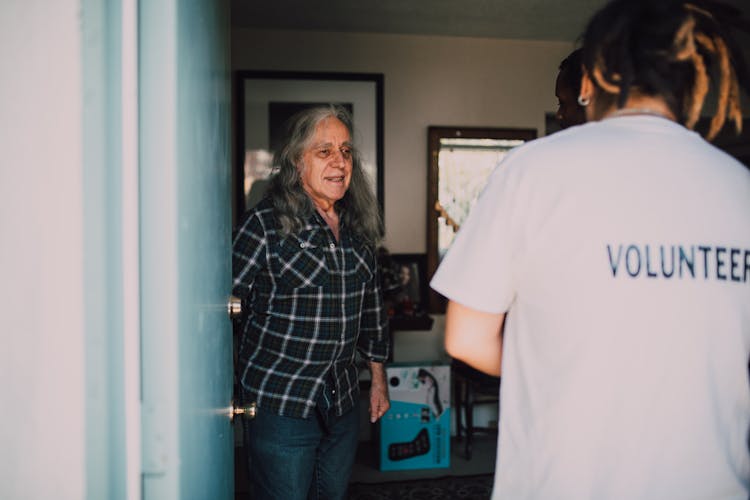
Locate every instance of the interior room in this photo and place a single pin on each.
(486, 74)
(480, 71)
(122, 183)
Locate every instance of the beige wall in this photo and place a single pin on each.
(428, 81)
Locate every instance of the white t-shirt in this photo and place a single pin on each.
(620, 251)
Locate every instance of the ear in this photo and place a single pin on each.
(587, 86)
(588, 93)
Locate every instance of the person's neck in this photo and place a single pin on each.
(327, 210)
(642, 105)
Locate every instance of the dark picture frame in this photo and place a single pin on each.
(412, 269)
(264, 99)
(408, 302)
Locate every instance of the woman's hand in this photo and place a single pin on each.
(379, 401)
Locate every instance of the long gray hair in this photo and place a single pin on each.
(358, 209)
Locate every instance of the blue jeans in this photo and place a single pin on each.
(297, 459)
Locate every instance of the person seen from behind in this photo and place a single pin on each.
(605, 271)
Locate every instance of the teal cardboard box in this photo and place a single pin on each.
(415, 433)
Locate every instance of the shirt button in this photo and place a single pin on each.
(302, 245)
(332, 246)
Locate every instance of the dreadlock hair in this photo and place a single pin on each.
(358, 209)
(672, 49)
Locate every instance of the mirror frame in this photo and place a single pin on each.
(436, 301)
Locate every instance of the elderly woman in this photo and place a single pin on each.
(304, 265)
(606, 268)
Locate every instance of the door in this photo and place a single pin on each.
(185, 219)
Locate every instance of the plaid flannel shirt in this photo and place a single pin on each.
(309, 302)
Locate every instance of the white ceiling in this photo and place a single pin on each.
(562, 20)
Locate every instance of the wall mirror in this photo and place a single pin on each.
(460, 161)
(266, 99)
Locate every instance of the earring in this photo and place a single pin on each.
(584, 101)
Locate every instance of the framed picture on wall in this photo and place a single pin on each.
(267, 99)
(405, 291)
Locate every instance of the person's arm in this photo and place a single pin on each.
(374, 341)
(374, 344)
(379, 401)
(474, 337)
(248, 254)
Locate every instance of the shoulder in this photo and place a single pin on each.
(257, 221)
(565, 152)
(263, 211)
(552, 146)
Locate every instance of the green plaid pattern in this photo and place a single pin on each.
(309, 303)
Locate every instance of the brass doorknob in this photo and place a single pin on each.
(234, 307)
(247, 411)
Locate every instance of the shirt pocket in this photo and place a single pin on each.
(301, 263)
